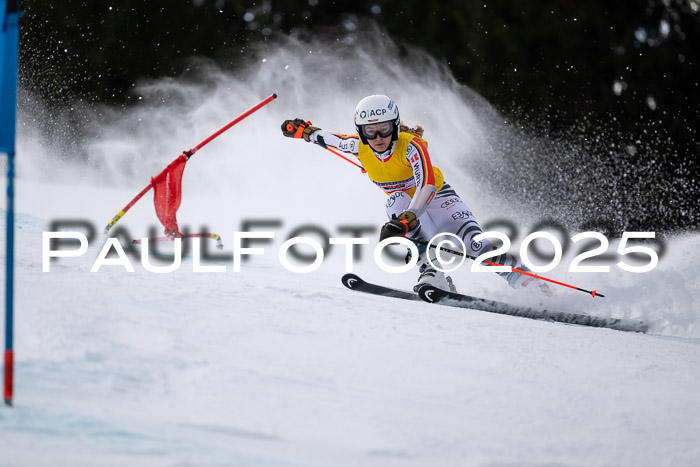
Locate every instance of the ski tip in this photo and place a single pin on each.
(351, 280)
(429, 294)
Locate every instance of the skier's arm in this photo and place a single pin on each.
(419, 159)
(298, 128)
(345, 143)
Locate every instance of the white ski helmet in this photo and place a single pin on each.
(377, 109)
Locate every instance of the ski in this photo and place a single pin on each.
(434, 295)
(354, 282)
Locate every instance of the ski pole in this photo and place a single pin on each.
(594, 293)
(190, 153)
(349, 160)
(298, 134)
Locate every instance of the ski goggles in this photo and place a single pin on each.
(383, 129)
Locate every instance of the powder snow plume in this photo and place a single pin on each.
(253, 171)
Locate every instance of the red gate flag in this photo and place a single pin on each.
(167, 195)
(167, 183)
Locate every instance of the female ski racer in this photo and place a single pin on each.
(420, 204)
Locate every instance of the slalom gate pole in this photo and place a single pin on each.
(10, 13)
(245, 114)
(592, 293)
(190, 153)
(213, 236)
(9, 365)
(121, 213)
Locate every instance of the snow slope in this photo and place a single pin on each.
(266, 367)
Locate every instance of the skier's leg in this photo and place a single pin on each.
(451, 214)
(397, 203)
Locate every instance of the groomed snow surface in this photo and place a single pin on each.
(267, 367)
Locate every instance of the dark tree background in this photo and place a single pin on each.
(625, 68)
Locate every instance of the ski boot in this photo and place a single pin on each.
(430, 275)
(521, 281)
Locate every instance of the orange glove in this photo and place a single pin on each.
(298, 128)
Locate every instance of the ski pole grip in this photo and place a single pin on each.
(300, 129)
